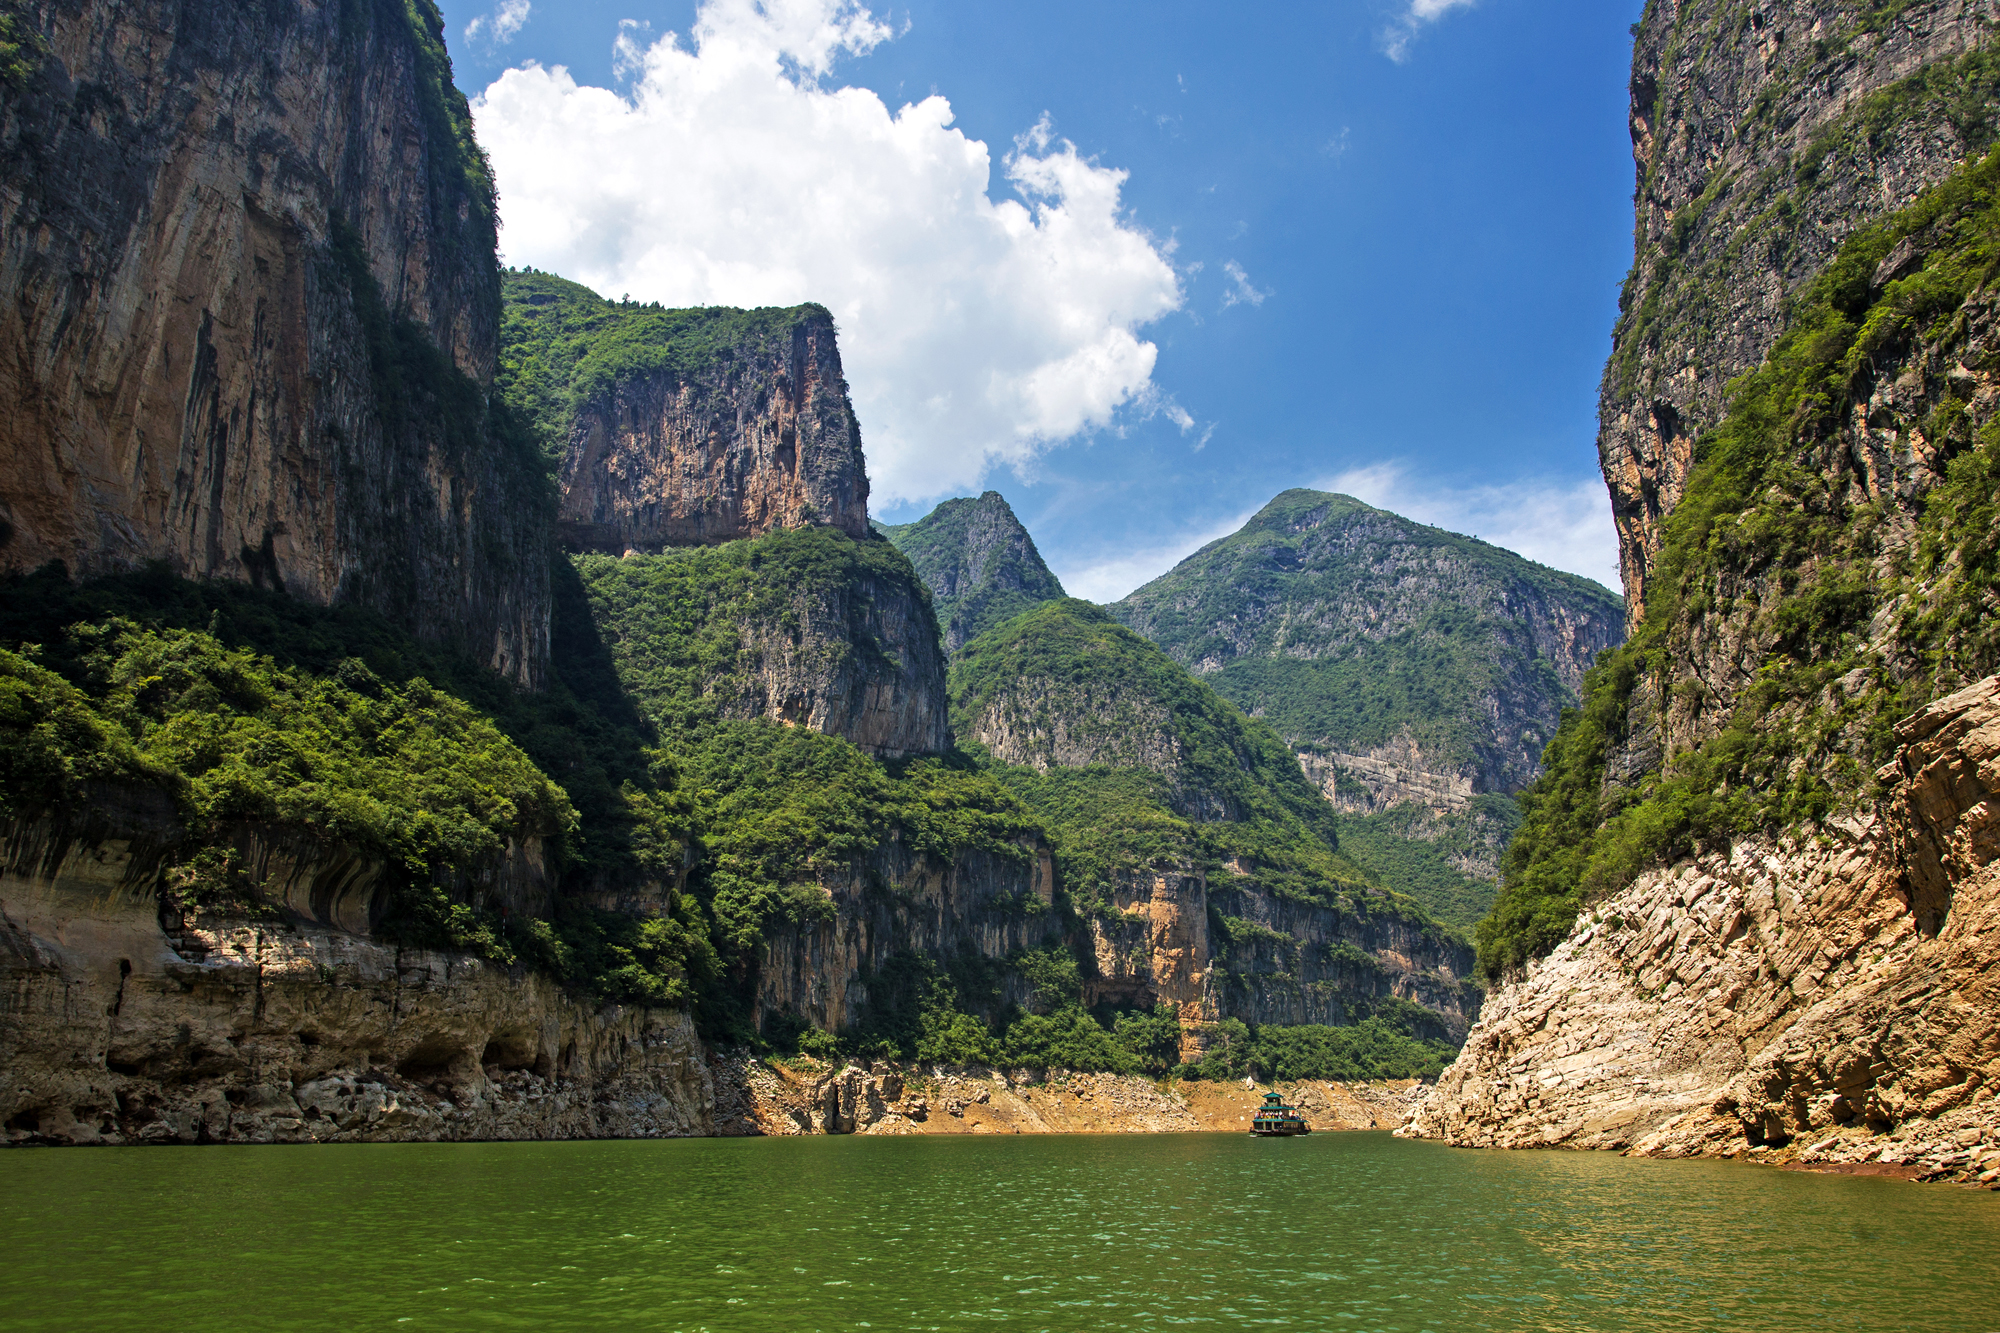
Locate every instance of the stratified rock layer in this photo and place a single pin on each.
(1836, 999)
(196, 367)
(117, 1029)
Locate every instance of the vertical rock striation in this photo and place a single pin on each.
(253, 316)
(683, 427)
(1772, 822)
(1764, 136)
(1833, 998)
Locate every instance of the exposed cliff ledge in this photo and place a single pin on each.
(810, 628)
(1834, 999)
(279, 1029)
(894, 902)
(1764, 137)
(252, 305)
(683, 427)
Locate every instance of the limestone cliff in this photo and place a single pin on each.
(682, 427)
(1831, 1000)
(979, 563)
(1737, 856)
(809, 628)
(1764, 135)
(129, 1022)
(252, 316)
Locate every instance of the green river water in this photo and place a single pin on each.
(1335, 1231)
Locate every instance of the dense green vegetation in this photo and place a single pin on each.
(21, 46)
(1224, 789)
(562, 344)
(249, 710)
(979, 562)
(1771, 533)
(1293, 619)
(1430, 857)
(1380, 1046)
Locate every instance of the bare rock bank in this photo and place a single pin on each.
(124, 1023)
(806, 1096)
(1829, 1000)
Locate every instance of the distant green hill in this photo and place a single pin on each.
(980, 563)
(1356, 632)
(1418, 673)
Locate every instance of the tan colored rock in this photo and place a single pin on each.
(118, 1031)
(762, 439)
(1832, 1000)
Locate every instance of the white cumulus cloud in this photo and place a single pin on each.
(975, 327)
(1563, 524)
(1396, 41)
(500, 26)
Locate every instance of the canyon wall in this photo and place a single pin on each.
(253, 315)
(1764, 136)
(127, 1021)
(1833, 999)
(1749, 909)
(893, 902)
(759, 437)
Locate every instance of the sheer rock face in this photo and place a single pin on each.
(128, 1024)
(758, 440)
(1750, 175)
(183, 372)
(860, 661)
(1833, 1000)
(893, 901)
(1296, 963)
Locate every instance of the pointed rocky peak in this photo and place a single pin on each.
(980, 563)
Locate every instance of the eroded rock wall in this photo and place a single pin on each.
(759, 439)
(895, 902)
(1833, 998)
(191, 366)
(124, 1024)
(859, 659)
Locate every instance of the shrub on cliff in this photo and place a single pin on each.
(1854, 619)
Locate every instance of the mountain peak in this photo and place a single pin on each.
(979, 562)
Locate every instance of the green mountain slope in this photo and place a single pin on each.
(1164, 802)
(979, 563)
(1355, 632)
(1809, 590)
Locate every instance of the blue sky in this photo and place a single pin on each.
(1150, 266)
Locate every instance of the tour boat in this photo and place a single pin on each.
(1274, 1118)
